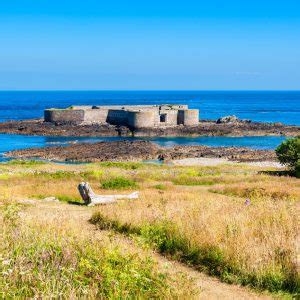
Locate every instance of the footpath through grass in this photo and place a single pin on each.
(45, 259)
(197, 215)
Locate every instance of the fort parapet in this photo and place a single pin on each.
(133, 116)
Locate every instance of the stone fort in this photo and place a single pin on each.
(132, 116)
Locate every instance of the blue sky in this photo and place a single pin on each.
(200, 45)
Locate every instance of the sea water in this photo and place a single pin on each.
(267, 106)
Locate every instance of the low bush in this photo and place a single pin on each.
(288, 153)
(118, 183)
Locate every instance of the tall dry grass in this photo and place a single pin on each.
(195, 214)
(51, 256)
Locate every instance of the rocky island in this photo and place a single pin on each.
(141, 121)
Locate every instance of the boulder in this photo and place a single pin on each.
(228, 119)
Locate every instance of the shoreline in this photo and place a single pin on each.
(37, 127)
(141, 150)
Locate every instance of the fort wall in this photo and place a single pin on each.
(117, 117)
(64, 115)
(141, 119)
(132, 116)
(166, 118)
(95, 116)
(188, 117)
(191, 117)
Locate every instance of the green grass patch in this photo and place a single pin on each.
(60, 197)
(93, 174)
(160, 187)
(190, 181)
(68, 199)
(58, 175)
(121, 165)
(25, 163)
(118, 183)
(5, 176)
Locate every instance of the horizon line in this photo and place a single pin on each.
(150, 90)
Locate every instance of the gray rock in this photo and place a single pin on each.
(228, 119)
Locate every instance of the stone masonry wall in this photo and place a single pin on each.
(95, 115)
(141, 119)
(64, 115)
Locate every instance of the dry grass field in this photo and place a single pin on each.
(234, 222)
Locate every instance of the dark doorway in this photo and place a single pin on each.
(163, 118)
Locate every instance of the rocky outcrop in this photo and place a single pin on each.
(228, 119)
(101, 151)
(204, 128)
(140, 150)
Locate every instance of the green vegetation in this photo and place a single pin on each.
(58, 175)
(28, 163)
(288, 153)
(188, 180)
(122, 165)
(160, 186)
(119, 183)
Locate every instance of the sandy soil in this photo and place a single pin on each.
(201, 161)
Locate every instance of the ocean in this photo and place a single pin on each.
(263, 106)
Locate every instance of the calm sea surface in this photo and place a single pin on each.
(258, 106)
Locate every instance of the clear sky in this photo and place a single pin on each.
(162, 45)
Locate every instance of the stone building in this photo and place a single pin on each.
(133, 116)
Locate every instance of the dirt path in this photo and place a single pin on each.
(73, 215)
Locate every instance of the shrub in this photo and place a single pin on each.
(288, 153)
(118, 183)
